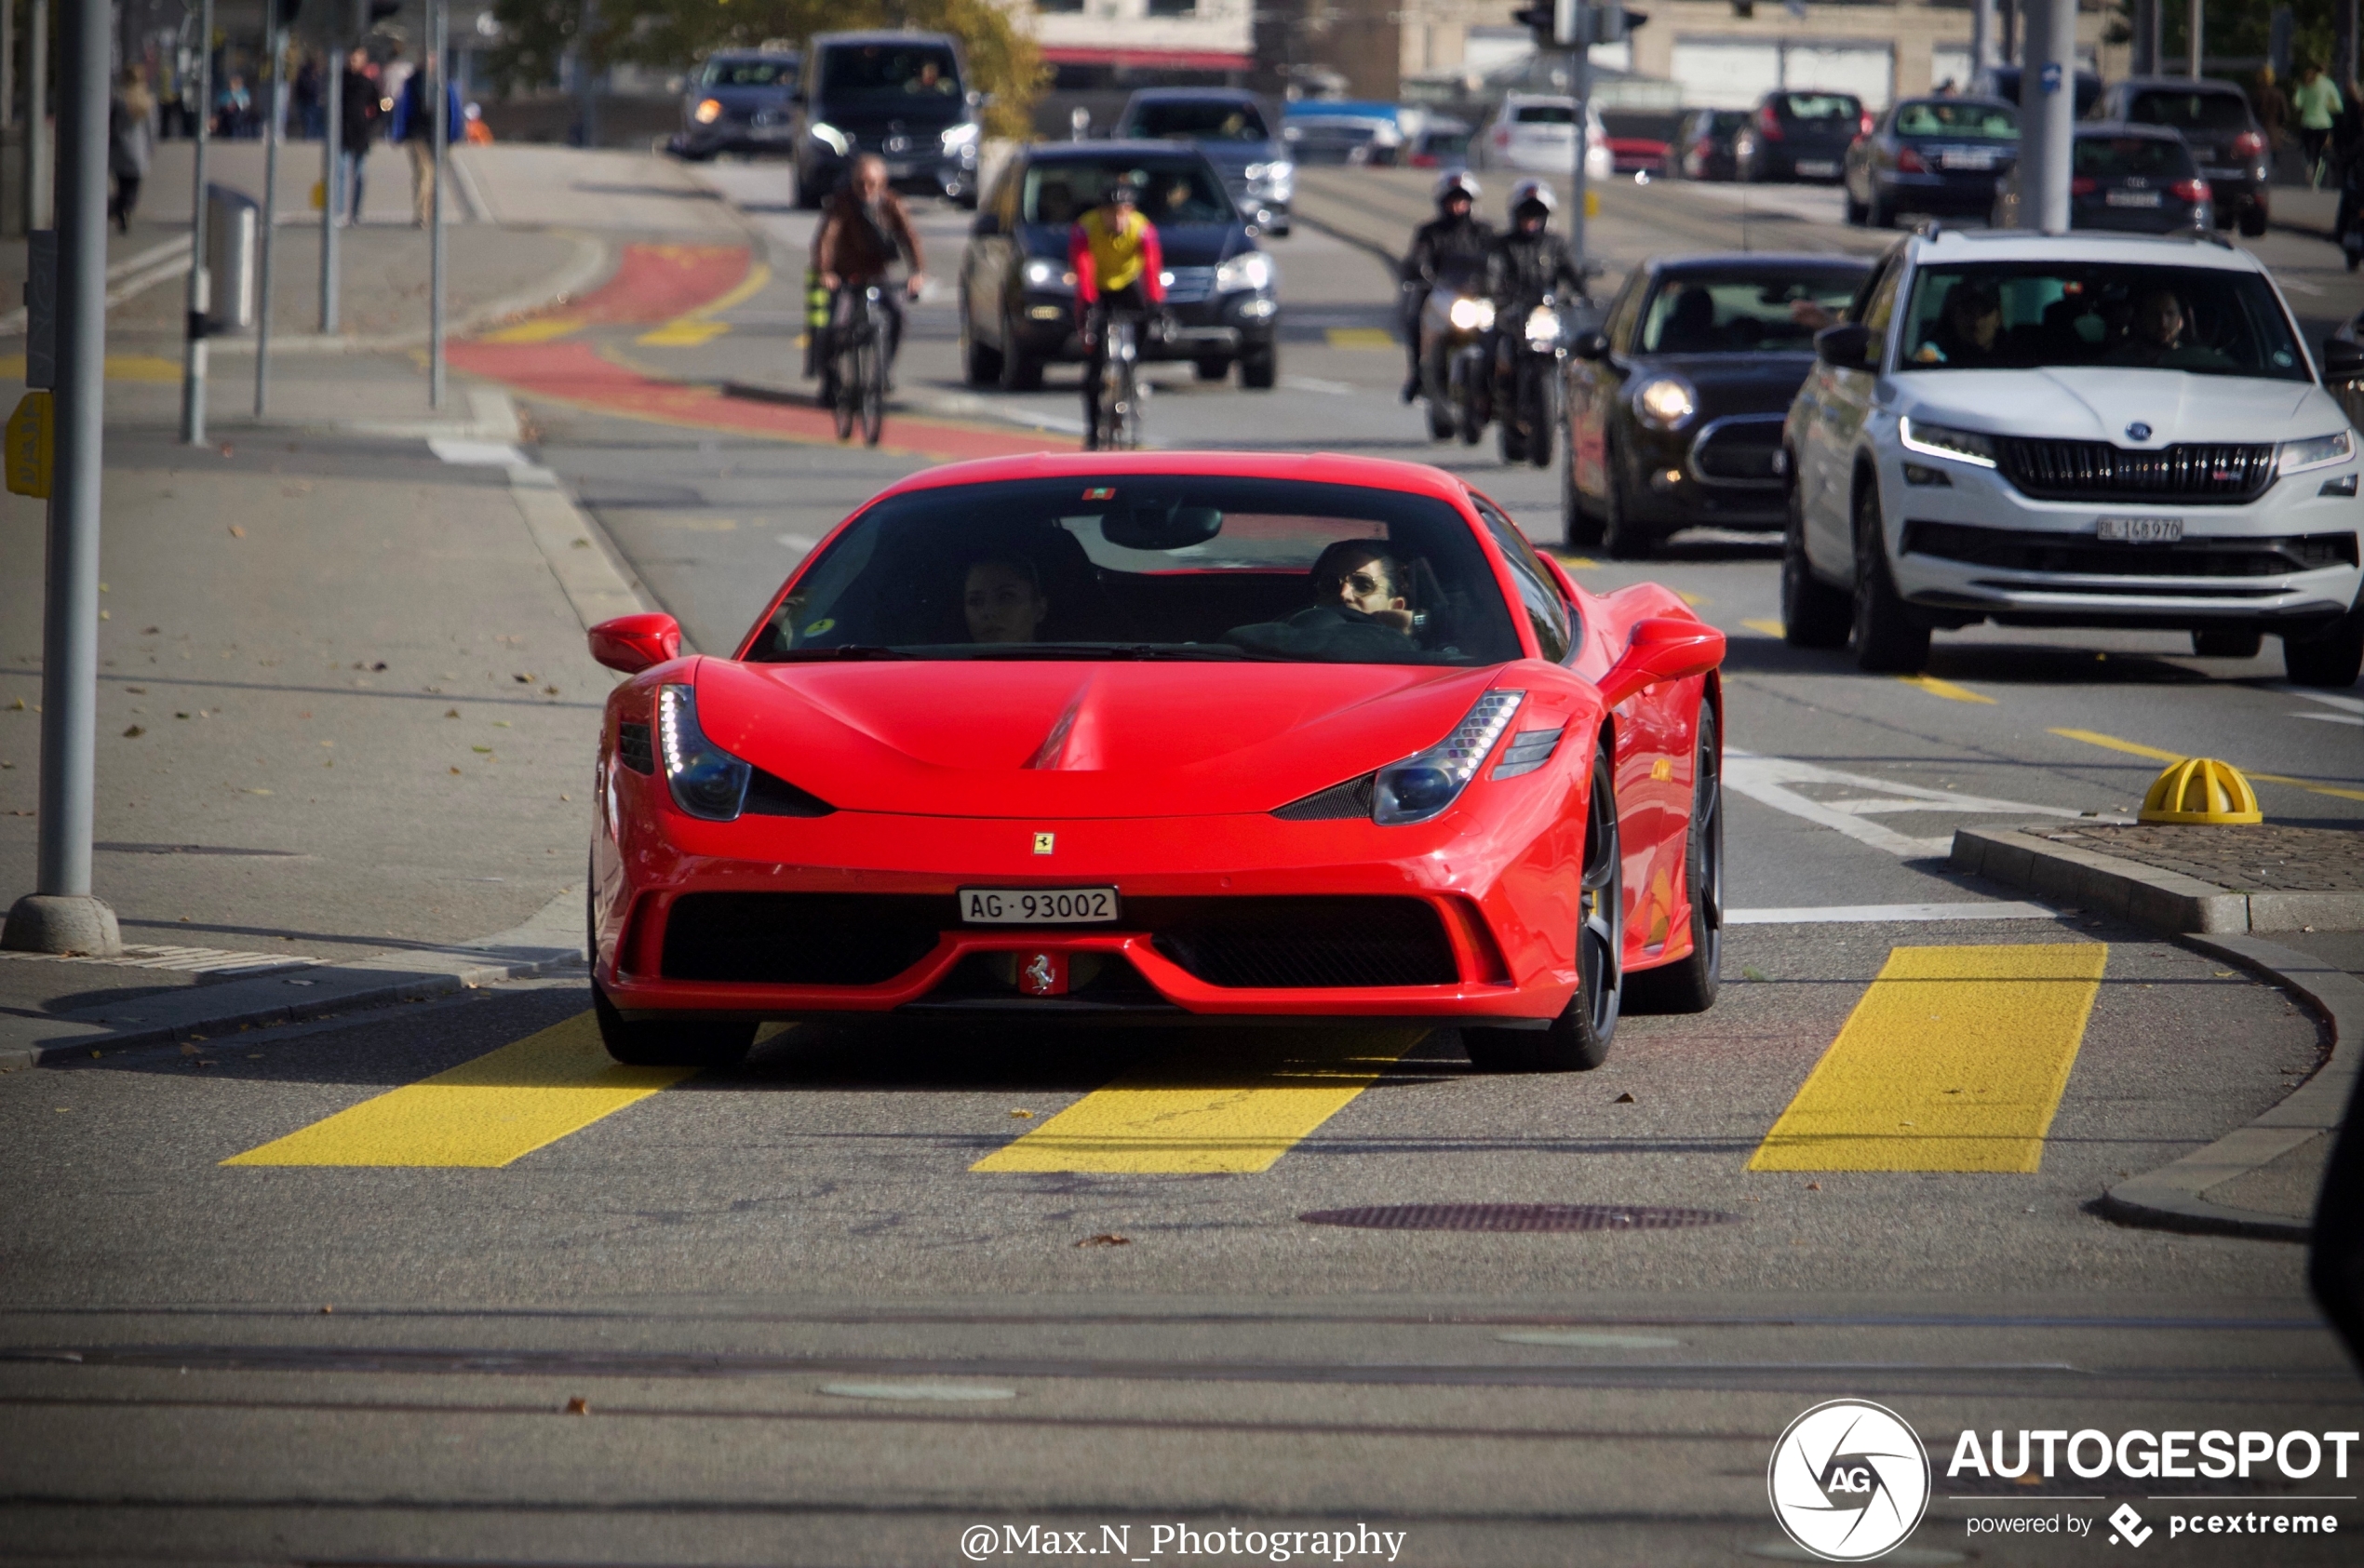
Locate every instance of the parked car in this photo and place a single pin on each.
(1799, 135)
(2003, 82)
(900, 95)
(1017, 297)
(1535, 133)
(1674, 410)
(1636, 154)
(1938, 155)
(1232, 127)
(740, 101)
(1328, 131)
(1702, 148)
(2215, 122)
(1441, 143)
(2073, 430)
(2139, 179)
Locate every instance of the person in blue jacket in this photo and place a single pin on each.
(415, 129)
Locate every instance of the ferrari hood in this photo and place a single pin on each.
(1066, 740)
(2098, 403)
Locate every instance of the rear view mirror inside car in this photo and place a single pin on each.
(1160, 523)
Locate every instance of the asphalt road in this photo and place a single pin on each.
(841, 1303)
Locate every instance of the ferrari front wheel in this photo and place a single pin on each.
(1689, 984)
(694, 1043)
(1578, 1040)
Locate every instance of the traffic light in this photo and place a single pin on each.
(1567, 23)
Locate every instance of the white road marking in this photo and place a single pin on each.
(2330, 717)
(1767, 780)
(184, 960)
(1883, 913)
(1315, 383)
(2330, 699)
(476, 454)
(797, 542)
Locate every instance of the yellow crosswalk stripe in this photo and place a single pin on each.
(2133, 749)
(1235, 1110)
(1954, 1060)
(540, 330)
(1770, 628)
(1944, 689)
(486, 1112)
(1359, 337)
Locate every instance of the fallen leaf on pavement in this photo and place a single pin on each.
(452, 712)
(235, 532)
(1106, 1239)
(578, 1406)
(1750, 971)
(1626, 1099)
(134, 733)
(1023, 1116)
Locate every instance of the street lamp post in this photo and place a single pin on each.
(193, 345)
(273, 133)
(437, 51)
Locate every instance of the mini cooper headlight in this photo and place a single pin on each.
(1471, 314)
(1424, 783)
(1542, 328)
(1938, 440)
(709, 112)
(1666, 402)
(1047, 277)
(2320, 452)
(706, 781)
(1250, 269)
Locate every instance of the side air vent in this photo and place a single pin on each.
(1337, 803)
(1528, 750)
(635, 747)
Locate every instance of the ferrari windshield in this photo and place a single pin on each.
(1149, 567)
(2019, 316)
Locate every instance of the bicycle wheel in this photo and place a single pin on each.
(874, 385)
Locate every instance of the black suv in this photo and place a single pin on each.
(2214, 119)
(900, 95)
(740, 101)
(1017, 296)
(1235, 132)
(1799, 135)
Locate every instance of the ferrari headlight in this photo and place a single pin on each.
(1424, 783)
(1250, 269)
(2320, 452)
(1938, 440)
(1471, 313)
(960, 136)
(706, 781)
(707, 112)
(829, 135)
(1543, 328)
(1666, 402)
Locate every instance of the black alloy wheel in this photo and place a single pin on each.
(1888, 640)
(1020, 370)
(1260, 369)
(1689, 984)
(1579, 1040)
(1624, 536)
(692, 1042)
(1210, 369)
(2331, 661)
(1813, 614)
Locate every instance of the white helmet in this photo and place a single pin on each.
(1459, 182)
(1533, 192)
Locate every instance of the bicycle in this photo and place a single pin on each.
(1117, 423)
(858, 366)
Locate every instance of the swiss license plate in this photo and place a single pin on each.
(1038, 906)
(2131, 199)
(2140, 530)
(1816, 166)
(1965, 160)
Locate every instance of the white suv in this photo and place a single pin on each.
(1535, 133)
(2072, 431)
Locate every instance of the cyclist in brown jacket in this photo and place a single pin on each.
(865, 230)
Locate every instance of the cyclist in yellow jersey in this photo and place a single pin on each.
(1114, 252)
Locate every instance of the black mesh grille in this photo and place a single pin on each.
(2208, 473)
(803, 939)
(1741, 452)
(1352, 799)
(2082, 555)
(634, 748)
(1293, 943)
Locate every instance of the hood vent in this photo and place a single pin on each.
(1337, 803)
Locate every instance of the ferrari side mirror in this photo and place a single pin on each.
(1663, 647)
(633, 643)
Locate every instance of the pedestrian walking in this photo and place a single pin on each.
(2317, 104)
(131, 131)
(361, 114)
(311, 111)
(2273, 107)
(414, 127)
(233, 108)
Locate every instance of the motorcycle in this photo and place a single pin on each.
(1454, 322)
(1530, 358)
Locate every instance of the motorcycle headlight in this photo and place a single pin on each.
(1938, 440)
(1471, 314)
(706, 781)
(1250, 269)
(960, 136)
(830, 137)
(2320, 452)
(1543, 328)
(1666, 402)
(707, 112)
(1423, 784)
(1047, 276)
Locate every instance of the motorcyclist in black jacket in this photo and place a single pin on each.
(1456, 242)
(1526, 262)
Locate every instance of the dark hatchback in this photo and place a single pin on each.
(1675, 409)
(2136, 179)
(1234, 132)
(2215, 122)
(1799, 135)
(1017, 296)
(900, 95)
(1702, 145)
(1938, 155)
(741, 101)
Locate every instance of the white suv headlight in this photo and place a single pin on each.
(2320, 452)
(1954, 446)
(1250, 269)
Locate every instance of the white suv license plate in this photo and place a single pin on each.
(1038, 906)
(2140, 530)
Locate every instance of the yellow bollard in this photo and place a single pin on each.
(2200, 789)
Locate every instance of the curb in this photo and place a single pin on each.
(2174, 1196)
(2167, 900)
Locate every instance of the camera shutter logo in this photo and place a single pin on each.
(1850, 1481)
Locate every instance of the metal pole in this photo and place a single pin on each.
(2196, 41)
(60, 915)
(1983, 37)
(2048, 114)
(1580, 84)
(437, 24)
(193, 350)
(40, 157)
(275, 132)
(331, 182)
(586, 84)
(8, 65)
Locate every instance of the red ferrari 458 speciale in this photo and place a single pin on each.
(1165, 737)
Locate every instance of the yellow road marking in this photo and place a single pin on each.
(1954, 1060)
(1575, 563)
(1694, 600)
(2111, 743)
(486, 1112)
(120, 368)
(699, 326)
(1944, 689)
(539, 330)
(1236, 1111)
(1361, 337)
(1770, 628)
